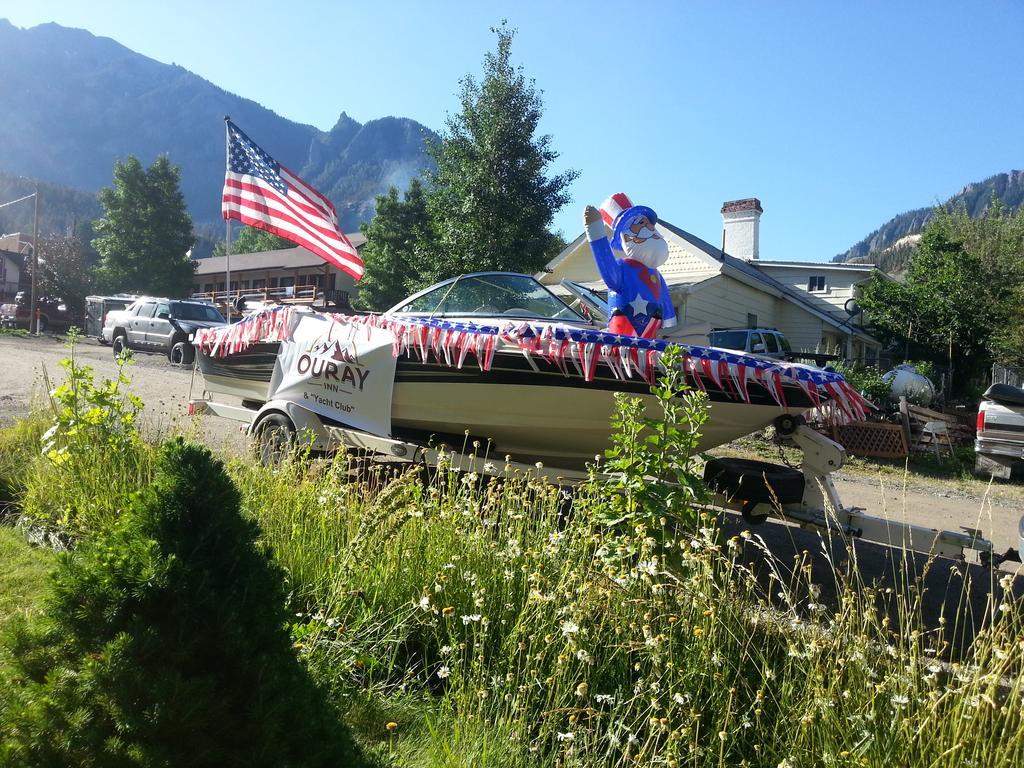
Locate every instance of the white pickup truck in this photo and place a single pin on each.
(1000, 441)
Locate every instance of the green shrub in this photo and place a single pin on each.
(866, 379)
(92, 458)
(163, 642)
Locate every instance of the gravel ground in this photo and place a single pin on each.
(165, 391)
(25, 363)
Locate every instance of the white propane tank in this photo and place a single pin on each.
(905, 381)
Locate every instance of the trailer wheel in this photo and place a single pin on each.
(753, 483)
(274, 438)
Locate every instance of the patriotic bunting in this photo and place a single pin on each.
(573, 351)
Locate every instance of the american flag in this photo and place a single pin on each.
(262, 193)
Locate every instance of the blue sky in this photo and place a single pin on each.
(837, 116)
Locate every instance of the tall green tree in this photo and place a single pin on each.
(145, 232)
(398, 251)
(492, 196)
(960, 301)
(252, 240)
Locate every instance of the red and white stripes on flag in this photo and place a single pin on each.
(262, 193)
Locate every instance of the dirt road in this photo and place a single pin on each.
(25, 363)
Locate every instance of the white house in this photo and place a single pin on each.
(14, 249)
(734, 288)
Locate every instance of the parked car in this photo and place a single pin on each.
(160, 325)
(55, 314)
(765, 342)
(999, 445)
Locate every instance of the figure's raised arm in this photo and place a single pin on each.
(609, 267)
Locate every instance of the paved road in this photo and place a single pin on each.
(165, 391)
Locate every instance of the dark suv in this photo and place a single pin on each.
(161, 325)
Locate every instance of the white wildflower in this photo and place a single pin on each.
(650, 567)
(471, 618)
(444, 671)
(565, 736)
(900, 700)
(424, 604)
(570, 628)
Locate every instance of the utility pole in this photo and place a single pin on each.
(33, 321)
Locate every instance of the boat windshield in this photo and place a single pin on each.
(490, 295)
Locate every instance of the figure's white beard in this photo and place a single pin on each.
(652, 253)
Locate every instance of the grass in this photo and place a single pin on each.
(23, 576)
(462, 622)
(492, 633)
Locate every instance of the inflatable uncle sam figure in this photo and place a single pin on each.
(637, 294)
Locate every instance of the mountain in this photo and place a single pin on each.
(890, 245)
(62, 209)
(75, 103)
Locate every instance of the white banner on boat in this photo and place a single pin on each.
(341, 371)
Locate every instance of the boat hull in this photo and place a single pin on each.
(525, 408)
(544, 415)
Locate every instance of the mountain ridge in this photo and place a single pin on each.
(86, 101)
(890, 245)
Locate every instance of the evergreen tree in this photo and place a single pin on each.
(145, 231)
(252, 240)
(491, 197)
(164, 643)
(397, 253)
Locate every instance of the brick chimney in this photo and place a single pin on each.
(741, 224)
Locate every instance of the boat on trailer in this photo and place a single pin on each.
(496, 365)
(540, 388)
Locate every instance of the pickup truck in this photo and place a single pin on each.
(158, 325)
(55, 314)
(999, 445)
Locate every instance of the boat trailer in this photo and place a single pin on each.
(758, 491)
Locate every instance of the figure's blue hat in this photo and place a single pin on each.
(618, 211)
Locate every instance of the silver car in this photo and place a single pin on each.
(161, 325)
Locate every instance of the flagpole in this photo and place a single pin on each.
(227, 222)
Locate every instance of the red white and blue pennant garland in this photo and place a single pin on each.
(570, 350)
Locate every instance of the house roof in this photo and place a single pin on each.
(747, 272)
(282, 258)
(684, 246)
(819, 265)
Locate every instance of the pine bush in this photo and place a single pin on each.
(163, 642)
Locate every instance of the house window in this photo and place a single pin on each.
(816, 283)
(208, 288)
(751, 320)
(261, 283)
